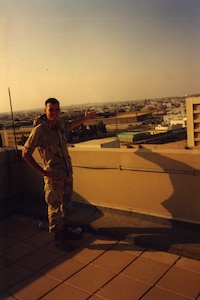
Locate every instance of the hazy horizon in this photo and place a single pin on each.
(87, 51)
(86, 105)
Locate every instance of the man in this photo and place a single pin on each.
(49, 136)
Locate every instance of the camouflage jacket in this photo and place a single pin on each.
(51, 143)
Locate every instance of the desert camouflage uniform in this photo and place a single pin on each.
(51, 143)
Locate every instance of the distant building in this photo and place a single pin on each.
(131, 136)
(174, 124)
(99, 143)
(160, 128)
(182, 122)
(193, 121)
(12, 137)
(174, 119)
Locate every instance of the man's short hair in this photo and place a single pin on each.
(52, 101)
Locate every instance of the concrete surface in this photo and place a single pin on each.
(174, 237)
(118, 258)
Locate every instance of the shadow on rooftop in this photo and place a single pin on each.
(26, 248)
(171, 235)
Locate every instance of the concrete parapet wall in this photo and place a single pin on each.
(10, 179)
(163, 183)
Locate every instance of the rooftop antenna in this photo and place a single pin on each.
(12, 116)
(16, 170)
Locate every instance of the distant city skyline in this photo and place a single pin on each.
(86, 51)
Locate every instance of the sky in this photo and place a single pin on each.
(88, 51)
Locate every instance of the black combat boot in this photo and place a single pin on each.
(72, 232)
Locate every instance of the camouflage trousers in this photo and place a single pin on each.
(58, 196)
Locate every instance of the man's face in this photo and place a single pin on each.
(52, 112)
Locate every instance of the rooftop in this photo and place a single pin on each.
(123, 254)
(109, 262)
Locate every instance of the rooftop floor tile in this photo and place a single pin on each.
(100, 267)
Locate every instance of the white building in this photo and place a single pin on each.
(11, 137)
(193, 121)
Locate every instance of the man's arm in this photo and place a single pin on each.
(88, 116)
(31, 161)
